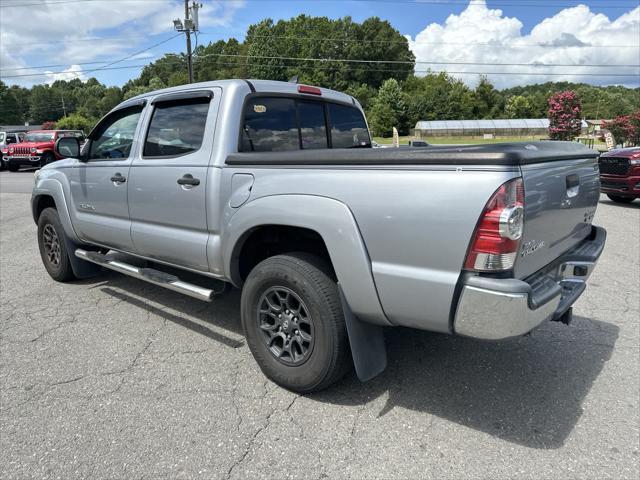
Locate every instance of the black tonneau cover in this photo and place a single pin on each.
(496, 154)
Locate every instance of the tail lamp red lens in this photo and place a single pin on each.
(497, 237)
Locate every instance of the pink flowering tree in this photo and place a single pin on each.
(625, 128)
(565, 113)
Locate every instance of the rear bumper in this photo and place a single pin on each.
(623, 186)
(495, 309)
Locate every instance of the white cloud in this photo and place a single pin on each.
(58, 33)
(573, 36)
(71, 73)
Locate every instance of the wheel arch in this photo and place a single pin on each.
(320, 219)
(49, 192)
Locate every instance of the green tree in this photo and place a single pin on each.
(75, 121)
(10, 113)
(389, 109)
(44, 104)
(518, 106)
(487, 100)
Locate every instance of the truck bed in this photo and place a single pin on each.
(507, 154)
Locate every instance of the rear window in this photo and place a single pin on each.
(273, 124)
(176, 128)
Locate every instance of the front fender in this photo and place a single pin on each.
(335, 223)
(52, 187)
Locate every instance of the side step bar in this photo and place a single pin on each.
(150, 275)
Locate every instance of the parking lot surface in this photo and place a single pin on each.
(114, 378)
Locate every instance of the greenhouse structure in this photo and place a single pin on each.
(516, 127)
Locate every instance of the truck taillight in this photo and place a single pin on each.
(497, 237)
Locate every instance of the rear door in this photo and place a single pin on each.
(560, 201)
(99, 184)
(168, 183)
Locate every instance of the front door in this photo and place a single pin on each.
(168, 183)
(99, 183)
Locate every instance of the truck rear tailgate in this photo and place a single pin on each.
(560, 202)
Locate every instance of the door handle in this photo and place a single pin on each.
(187, 179)
(118, 178)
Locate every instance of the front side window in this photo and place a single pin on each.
(270, 125)
(176, 128)
(348, 128)
(113, 138)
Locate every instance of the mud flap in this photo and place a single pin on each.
(367, 344)
(81, 269)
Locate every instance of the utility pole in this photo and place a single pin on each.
(188, 25)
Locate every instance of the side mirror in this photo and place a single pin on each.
(68, 147)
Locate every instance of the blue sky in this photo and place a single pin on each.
(71, 33)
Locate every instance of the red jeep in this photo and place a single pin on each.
(620, 174)
(37, 150)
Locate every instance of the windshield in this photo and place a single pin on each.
(39, 137)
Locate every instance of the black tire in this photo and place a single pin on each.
(53, 248)
(328, 356)
(2, 166)
(47, 157)
(12, 168)
(621, 199)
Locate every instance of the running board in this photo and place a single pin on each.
(150, 275)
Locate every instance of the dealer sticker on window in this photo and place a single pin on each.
(259, 108)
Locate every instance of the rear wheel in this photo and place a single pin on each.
(293, 321)
(52, 245)
(620, 199)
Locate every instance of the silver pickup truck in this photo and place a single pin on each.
(273, 188)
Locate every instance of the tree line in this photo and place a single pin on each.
(391, 93)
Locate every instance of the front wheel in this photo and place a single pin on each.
(53, 249)
(293, 321)
(620, 199)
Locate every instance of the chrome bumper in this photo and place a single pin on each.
(495, 309)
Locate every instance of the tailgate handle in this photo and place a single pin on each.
(573, 185)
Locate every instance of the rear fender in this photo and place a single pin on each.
(334, 222)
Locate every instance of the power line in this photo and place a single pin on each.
(355, 40)
(325, 39)
(495, 4)
(326, 67)
(75, 72)
(408, 62)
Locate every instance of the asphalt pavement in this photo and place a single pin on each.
(115, 378)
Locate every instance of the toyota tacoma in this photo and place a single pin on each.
(273, 187)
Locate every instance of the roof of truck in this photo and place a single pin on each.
(267, 86)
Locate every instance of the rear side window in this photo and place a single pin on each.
(348, 128)
(270, 125)
(176, 128)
